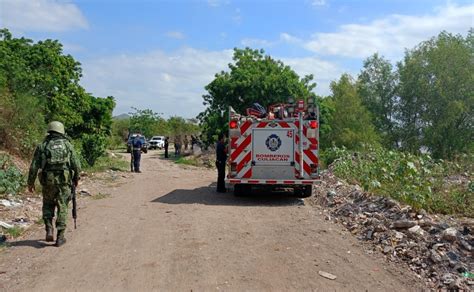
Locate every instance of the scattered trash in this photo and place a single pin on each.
(9, 204)
(5, 225)
(437, 248)
(327, 275)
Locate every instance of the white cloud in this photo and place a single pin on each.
(249, 42)
(318, 2)
(171, 83)
(41, 15)
(391, 35)
(324, 72)
(175, 35)
(288, 38)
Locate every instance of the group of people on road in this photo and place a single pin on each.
(57, 166)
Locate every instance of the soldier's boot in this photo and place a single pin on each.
(60, 240)
(49, 230)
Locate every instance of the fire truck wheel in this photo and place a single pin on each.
(304, 192)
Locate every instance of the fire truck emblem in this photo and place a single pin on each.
(273, 142)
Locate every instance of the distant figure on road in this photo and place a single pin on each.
(221, 158)
(166, 146)
(60, 168)
(177, 145)
(137, 145)
(186, 142)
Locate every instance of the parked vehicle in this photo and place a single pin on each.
(157, 142)
(130, 140)
(278, 149)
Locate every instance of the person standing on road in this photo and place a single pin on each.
(60, 169)
(137, 145)
(221, 158)
(166, 146)
(186, 142)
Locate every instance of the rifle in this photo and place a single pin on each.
(74, 205)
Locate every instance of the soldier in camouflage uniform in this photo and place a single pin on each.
(60, 169)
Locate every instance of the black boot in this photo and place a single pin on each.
(49, 234)
(60, 240)
(49, 230)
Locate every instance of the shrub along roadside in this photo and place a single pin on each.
(12, 180)
(418, 180)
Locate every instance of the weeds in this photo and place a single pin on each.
(14, 232)
(100, 196)
(189, 160)
(105, 163)
(12, 180)
(418, 180)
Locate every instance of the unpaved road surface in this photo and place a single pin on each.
(167, 229)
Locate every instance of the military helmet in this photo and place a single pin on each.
(56, 126)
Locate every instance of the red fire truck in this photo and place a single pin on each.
(279, 149)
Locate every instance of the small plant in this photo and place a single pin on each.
(14, 232)
(100, 196)
(12, 180)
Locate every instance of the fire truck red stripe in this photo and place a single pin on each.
(307, 169)
(262, 124)
(248, 174)
(242, 163)
(284, 124)
(271, 181)
(253, 181)
(288, 181)
(307, 182)
(241, 147)
(311, 156)
(313, 140)
(233, 141)
(245, 126)
(234, 180)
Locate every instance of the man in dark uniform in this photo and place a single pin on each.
(137, 152)
(221, 158)
(166, 147)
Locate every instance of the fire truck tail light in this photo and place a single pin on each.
(233, 169)
(313, 124)
(233, 124)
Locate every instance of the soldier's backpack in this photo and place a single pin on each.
(56, 154)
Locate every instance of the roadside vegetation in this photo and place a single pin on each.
(403, 131)
(435, 185)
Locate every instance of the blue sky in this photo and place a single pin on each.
(161, 54)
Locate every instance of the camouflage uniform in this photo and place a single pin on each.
(56, 183)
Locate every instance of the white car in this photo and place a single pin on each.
(157, 142)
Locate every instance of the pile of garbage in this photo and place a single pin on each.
(16, 212)
(438, 249)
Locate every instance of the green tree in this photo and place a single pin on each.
(38, 84)
(351, 125)
(253, 77)
(436, 106)
(377, 88)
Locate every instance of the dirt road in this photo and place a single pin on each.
(166, 229)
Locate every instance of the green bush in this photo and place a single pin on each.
(12, 180)
(418, 180)
(93, 147)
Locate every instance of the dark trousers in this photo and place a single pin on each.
(220, 176)
(137, 154)
(166, 151)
